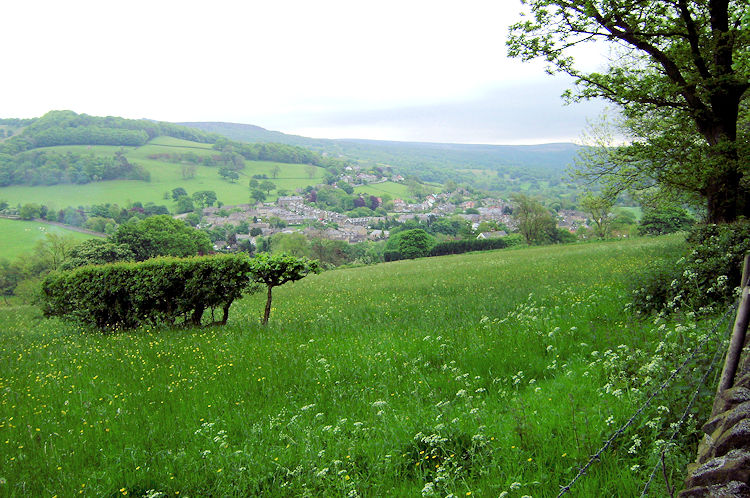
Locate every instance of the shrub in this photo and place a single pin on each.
(707, 275)
(158, 291)
(467, 245)
(409, 244)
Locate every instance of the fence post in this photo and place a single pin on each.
(737, 342)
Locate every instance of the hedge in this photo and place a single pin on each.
(157, 291)
(467, 245)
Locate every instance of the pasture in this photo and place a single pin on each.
(165, 176)
(20, 237)
(476, 374)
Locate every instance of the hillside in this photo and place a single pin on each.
(430, 161)
(66, 159)
(474, 375)
(169, 163)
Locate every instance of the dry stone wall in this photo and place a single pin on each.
(723, 465)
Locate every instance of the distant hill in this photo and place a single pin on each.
(430, 161)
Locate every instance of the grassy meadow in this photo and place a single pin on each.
(19, 237)
(477, 374)
(165, 176)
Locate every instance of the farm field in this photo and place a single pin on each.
(165, 176)
(19, 237)
(474, 374)
(395, 190)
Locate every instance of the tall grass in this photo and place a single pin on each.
(476, 374)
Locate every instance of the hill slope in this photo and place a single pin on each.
(477, 375)
(429, 161)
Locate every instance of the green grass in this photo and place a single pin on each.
(395, 190)
(165, 176)
(19, 237)
(481, 370)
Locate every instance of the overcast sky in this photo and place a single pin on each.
(397, 70)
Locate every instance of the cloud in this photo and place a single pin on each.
(504, 114)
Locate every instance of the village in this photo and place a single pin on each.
(294, 214)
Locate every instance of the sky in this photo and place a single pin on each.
(413, 70)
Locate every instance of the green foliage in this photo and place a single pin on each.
(267, 186)
(270, 152)
(258, 195)
(599, 209)
(676, 82)
(185, 205)
(155, 292)
(273, 270)
(69, 128)
(707, 277)
(663, 220)
(409, 244)
(11, 275)
(30, 211)
(535, 222)
(96, 252)
(204, 198)
(467, 245)
(293, 244)
(161, 235)
(45, 167)
(178, 192)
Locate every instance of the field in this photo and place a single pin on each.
(165, 176)
(395, 190)
(19, 237)
(474, 375)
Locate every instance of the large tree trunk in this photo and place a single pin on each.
(727, 196)
(267, 312)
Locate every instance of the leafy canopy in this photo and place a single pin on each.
(277, 269)
(678, 65)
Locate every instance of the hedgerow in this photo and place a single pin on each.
(706, 277)
(157, 291)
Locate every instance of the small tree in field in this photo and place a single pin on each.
(278, 269)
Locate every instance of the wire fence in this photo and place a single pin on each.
(596, 456)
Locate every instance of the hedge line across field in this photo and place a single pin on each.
(157, 291)
(459, 247)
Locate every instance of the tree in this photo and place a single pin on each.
(30, 211)
(346, 187)
(54, 249)
(185, 205)
(178, 192)
(278, 269)
(228, 174)
(11, 275)
(414, 243)
(535, 222)
(664, 219)
(258, 195)
(96, 252)
(275, 171)
(681, 65)
(253, 183)
(267, 185)
(294, 244)
(311, 170)
(599, 209)
(161, 235)
(204, 198)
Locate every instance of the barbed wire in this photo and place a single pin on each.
(565, 489)
(719, 353)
